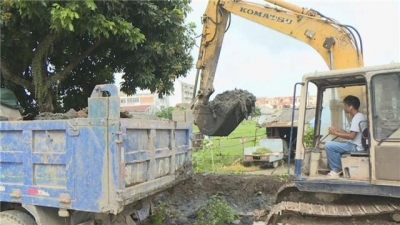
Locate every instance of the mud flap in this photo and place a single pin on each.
(143, 213)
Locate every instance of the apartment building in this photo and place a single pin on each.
(183, 93)
(144, 102)
(282, 102)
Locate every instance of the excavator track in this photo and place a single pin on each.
(298, 209)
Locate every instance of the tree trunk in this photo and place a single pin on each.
(40, 76)
(47, 104)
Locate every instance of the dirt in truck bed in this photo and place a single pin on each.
(83, 113)
(251, 196)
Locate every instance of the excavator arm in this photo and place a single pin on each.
(336, 43)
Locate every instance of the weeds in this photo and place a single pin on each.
(283, 176)
(162, 213)
(216, 211)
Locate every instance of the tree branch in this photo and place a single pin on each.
(61, 75)
(15, 78)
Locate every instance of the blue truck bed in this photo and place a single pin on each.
(95, 164)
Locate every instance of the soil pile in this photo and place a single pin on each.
(83, 113)
(243, 100)
(251, 196)
(71, 114)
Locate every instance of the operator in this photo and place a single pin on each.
(335, 149)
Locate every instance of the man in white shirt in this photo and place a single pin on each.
(334, 150)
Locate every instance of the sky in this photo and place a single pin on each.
(268, 63)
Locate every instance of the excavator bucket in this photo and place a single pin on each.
(222, 115)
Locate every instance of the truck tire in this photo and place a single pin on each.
(15, 217)
(246, 164)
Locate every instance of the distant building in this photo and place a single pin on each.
(146, 103)
(283, 117)
(283, 102)
(183, 93)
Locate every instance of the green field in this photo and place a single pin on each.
(224, 153)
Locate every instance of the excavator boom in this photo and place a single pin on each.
(333, 41)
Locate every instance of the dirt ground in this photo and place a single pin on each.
(251, 196)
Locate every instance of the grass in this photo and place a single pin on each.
(261, 151)
(237, 168)
(224, 151)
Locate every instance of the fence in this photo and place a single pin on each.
(212, 154)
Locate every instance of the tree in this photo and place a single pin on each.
(59, 50)
(309, 136)
(165, 113)
(256, 112)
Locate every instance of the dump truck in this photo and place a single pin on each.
(102, 169)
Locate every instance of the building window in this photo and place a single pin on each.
(123, 101)
(133, 100)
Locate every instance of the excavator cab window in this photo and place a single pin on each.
(386, 106)
(329, 104)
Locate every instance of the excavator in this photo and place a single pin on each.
(370, 184)
(336, 43)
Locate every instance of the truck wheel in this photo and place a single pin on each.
(15, 217)
(264, 165)
(246, 164)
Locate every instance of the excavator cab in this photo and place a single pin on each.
(370, 184)
(378, 89)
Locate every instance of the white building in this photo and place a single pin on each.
(183, 93)
(144, 102)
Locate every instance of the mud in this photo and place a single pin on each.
(71, 114)
(227, 100)
(83, 113)
(251, 196)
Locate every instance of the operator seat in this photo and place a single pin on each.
(364, 142)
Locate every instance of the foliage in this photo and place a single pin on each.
(65, 48)
(309, 137)
(283, 176)
(162, 213)
(256, 112)
(199, 157)
(165, 113)
(215, 212)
